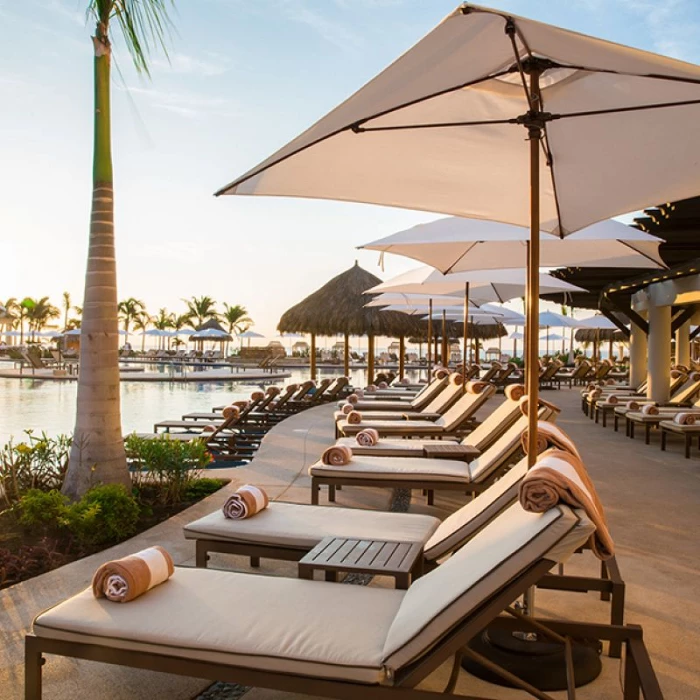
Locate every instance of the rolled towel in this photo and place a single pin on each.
(381, 377)
(257, 396)
(515, 392)
(476, 387)
(291, 388)
(591, 387)
(272, 390)
(512, 366)
(336, 455)
(231, 412)
(594, 395)
(525, 403)
(210, 428)
(632, 405)
(354, 418)
(457, 379)
(340, 405)
(382, 385)
(371, 389)
(675, 373)
(695, 376)
(404, 380)
(561, 477)
(684, 418)
(650, 409)
(368, 437)
(245, 503)
(124, 579)
(611, 400)
(360, 393)
(550, 435)
(347, 408)
(440, 373)
(610, 382)
(353, 398)
(241, 405)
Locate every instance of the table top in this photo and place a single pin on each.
(450, 450)
(363, 556)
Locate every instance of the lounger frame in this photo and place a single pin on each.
(639, 674)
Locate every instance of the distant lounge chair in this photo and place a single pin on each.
(415, 403)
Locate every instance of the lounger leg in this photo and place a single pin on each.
(255, 562)
(604, 595)
(615, 422)
(631, 690)
(647, 433)
(33, 661)
(314, 492)
(688, 439)
(605, 418)
(631, 428)
(596, 414)
(331, 493)
(201, 555)
(431, 497)
(663, 440)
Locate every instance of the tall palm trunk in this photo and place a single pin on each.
(97, 454)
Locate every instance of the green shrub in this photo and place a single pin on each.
(201, 488)
(105, 514)
(41, 508)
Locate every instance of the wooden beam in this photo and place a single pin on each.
(679, 319)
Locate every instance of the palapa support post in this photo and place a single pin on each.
(312, 357)
(430, 338)
(445, 358)
(346, 355)
(370, 358)
(402, 356)
(465, 334)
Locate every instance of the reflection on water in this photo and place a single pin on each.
(50, 405)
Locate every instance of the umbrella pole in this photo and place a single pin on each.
(430, 337)
(346, 355)
(445, 359)
(402, 356)
(533, 281)
(312, 358)
(465, 334)
(370, 359)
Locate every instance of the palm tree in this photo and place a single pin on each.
(237, 319)
(162, 322)
(141, 324)
(66, 309)
(97, 453)
(77, 320)
(200, 309)
(11, 313)
(39, 313)
(129, 310)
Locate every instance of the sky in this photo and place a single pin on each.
(243, 78)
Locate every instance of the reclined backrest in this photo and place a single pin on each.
(495, 424)
(446, 398)
(465, 407)
(448, 595)
(428, 393)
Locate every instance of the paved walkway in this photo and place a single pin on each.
(652, 500)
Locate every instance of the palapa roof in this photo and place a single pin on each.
(475, 331)
(588, 335)
(211, 323)
(339, 307)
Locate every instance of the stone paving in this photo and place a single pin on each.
(651, 497)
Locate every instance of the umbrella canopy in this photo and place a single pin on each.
(516, 335)
(250, 334)
(401, 299)
(596, 321)
(459, 245)
(549, 319)
(484, 285)
(185, 331)
(551, 336)
(340, 307)
(160, 333)
(211, 334)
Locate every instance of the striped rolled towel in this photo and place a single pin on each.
(440, 373)
(371, 389)
(382, 385)
(404, 380)
(360, 393)
(595, 394)
(541, 403)
(650, 409)
(257, 396)
(210, 428)
(457, 379)
(550, 435)
(354, 418)
(245, 503)
(560, 477)
(684, 418)
(241, 405)
(231, 412)
(336, 455)
(346, 408)
(695, 376)
(353, 398)
(515, 392)
(632, 405)
(124, 579)
(609, 382)
(368, 437)
(675, 373)
(476, 387)
(611, 400)
(272, 390)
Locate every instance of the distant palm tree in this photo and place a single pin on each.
(11, 312)
(66, 309)
(201, 309)
(39, 313)
(237, 319)
(162, 322)
(141, 323)
(76, 321)
(97, 453)
(129, 309)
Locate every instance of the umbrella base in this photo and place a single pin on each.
(539, 663)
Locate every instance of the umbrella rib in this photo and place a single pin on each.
(640, 252)
(622, 110)
(460, 257)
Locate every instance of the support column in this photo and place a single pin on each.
(312, 357)
(659, 353)
(638, 355)
(683, 345)
(402, 356)
(346, 355)
(370, 359)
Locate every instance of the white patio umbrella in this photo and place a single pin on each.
(454, 244)
(211, 334)
(598, 322)
(445, 128)
(249, 335)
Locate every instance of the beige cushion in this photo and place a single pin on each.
(496, 422)
(499, 453)
(304, 526)
(370, 416)
(499, 553)
(387, 447)
(408, 469)
(397, 427)
(465, 522)
(260, 622)
(677, 428)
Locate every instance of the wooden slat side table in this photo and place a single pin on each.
(333, 555)
(444, 450)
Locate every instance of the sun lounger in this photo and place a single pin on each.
(194, 630)
(649, 421)
(415, 403)
(688, 432)
(422, 473)
(454, 420)
(482, 437)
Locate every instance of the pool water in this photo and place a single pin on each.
(50, 405)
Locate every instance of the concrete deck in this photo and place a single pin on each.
(652, 502)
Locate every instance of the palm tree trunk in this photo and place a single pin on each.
(97, 455)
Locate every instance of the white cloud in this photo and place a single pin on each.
(333, 32)
(189, 65)
(186, 104)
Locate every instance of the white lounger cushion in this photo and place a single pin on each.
(387, 447)
(260, 622)
(408, 468)
(500, 552)
(304, 526)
